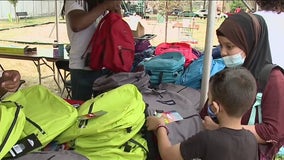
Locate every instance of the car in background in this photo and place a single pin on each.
(175, 12)
(188, 14)
(202, 13)
(221, 15)
(149, 10)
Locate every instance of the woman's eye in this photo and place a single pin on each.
(230, 47)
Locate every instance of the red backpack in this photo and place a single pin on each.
(113, 45)
(181, 47)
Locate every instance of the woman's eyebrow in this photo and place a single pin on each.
(228, 43)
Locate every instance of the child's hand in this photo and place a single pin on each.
(209, 124)
(153, 122)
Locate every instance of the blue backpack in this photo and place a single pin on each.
(164, 68)
(192, 75)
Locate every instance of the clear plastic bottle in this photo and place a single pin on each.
(55, 49)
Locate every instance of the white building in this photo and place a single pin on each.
(34, 8)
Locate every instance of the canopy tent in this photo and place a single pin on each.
(56, 21)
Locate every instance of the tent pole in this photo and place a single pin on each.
(167, 19)
(56, 21)
(208, 51)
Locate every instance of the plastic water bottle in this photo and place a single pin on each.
(61, 50)
(55, 49)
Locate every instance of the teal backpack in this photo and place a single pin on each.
(12, 121)
(109, 125)
(46, 115)
(164, 68)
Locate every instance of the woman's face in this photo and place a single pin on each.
(228, 48)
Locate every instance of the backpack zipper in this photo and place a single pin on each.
(36, 125)
(17, 112)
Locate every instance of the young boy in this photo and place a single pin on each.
(232, 92)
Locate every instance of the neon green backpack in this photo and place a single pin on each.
(12, 121)
(46, 114)
(112, 129)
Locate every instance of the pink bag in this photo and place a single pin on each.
(181, 47)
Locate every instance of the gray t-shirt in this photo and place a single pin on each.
(221, 144)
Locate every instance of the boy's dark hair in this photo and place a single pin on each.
(235, 89)
(271, 5)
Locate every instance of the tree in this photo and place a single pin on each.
(190, 5)
(14, 3)
(237, 3)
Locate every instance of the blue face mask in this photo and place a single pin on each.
(235, 60)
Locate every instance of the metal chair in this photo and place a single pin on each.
(64, 73)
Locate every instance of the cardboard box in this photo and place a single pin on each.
(136, 25)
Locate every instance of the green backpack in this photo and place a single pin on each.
(12, 121)
(46, 114)
(114, 133)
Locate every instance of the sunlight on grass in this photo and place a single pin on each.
(24, 22)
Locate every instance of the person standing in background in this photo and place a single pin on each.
(82, 18)
(273, 14)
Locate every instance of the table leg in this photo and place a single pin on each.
(37, 64)
(51, 67)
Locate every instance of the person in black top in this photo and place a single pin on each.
(231, 93)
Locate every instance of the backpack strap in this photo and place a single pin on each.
(85, 54)
(264, 76)
(8, 134)
(256, 110)
(138, 144)
(262, 81)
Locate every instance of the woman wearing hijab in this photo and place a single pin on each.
(244, 42)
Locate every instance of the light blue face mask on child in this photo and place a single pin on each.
(235, 60)
(212, 114)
